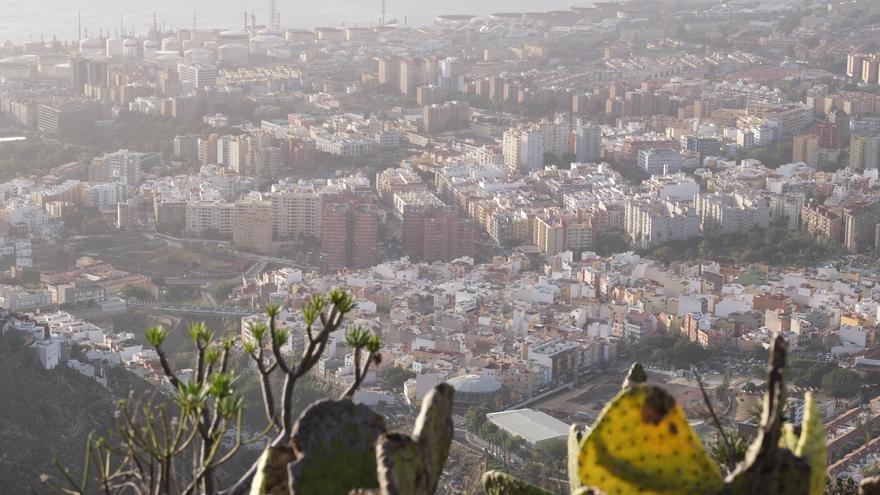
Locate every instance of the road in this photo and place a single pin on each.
(229, 247)
(192, 310)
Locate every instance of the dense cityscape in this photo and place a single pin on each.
(521, 205)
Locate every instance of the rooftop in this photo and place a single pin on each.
(533, 426)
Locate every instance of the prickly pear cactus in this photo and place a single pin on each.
(642, 443)
(412, 464)
(770, 466)
(811, 445)
(271, 475)
(498, 483)
(334, 443)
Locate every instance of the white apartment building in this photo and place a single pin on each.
(652, 221)
(722, 213)
(677, 187)
(199, 75)
(532, 149)
(104, 196)
(20, 299)
(342, 145)
(588, 143)
(557, 135)
(524, 148)
(210, 216)
(127, 166)
(510, 148)
(660, 161)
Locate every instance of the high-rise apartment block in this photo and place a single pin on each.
(432, 231)
(349, 231)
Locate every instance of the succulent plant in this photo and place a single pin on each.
(642, 443)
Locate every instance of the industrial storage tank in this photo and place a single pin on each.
(201, 36)
(234, 36)
(48, 62)
(262, 43)
(170, 45)
(130, 48)
(299, 35)
(19, 67)
(150, 48)
(198, 56)
(168, 60)
(114, 47)
(62, 70)
(330, 34)
(90, 47)
(233, 53)
(191, 44)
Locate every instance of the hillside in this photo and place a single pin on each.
(46, 415)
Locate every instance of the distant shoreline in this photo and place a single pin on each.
(59, 18)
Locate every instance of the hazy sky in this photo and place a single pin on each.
(22, 19)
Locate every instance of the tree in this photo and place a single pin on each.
(135, 292)
(73, 218)
(475, 417)
(610, 243)
(163, 449)
(842, 383)
(396, 377)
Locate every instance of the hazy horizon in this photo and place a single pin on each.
(60, 16)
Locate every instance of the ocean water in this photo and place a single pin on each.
(22, 20)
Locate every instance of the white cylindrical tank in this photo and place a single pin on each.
(90, 47)
(18, 67)
(233, 53)
(191, 45)
(47, 63)
(170, 45)
(201, 36)
(62, 70)
(150, 48)
(114, 47)
(261, 43)
(130, 48)
(233, 36)
(198, 56)
(299, 35)
(168, 60)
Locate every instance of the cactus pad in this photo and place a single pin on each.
(642, 443)
(811, 445)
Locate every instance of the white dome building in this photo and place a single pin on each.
(476, 389)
